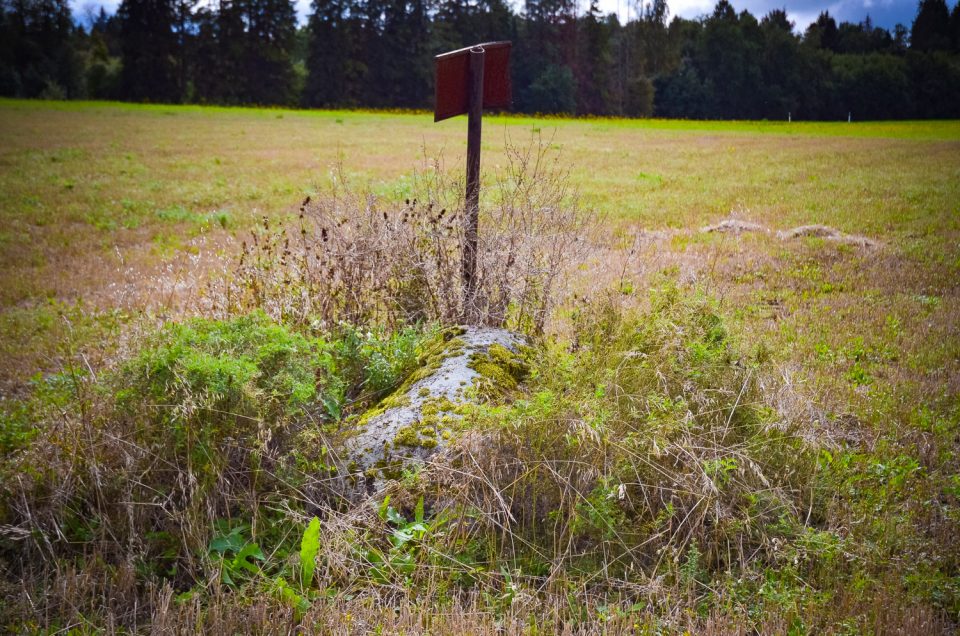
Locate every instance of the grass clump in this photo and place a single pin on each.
(650, 441)
(247, 369)
(159, 448)
(642, 467)
(638, 478)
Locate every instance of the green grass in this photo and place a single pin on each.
(113, 216)
(128, 205)
(102, 198)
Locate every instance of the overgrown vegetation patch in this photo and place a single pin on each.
(764, 441)
(210, 421)
(642, 464)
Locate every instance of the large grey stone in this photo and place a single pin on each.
(420, 418)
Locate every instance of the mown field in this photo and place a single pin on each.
(96, 198)
(114, 217)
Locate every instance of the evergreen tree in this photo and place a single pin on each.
(245, 51)
(654, 37)
(401, 70)
(108, 28)
(873, 86)
(183, 27)
(780, 66)
(553, 91)
(684, 94)
(103, 52)
(269, 41)
(228, 78)
(935, 77)
(492, 20)
(728, 57)
(453, 25)
(931, 28)
(544, 56)
(38, 54)
(815, 94)
(822, 34)
(594, 60)
(330, 54)
(955, 27)
(901, 38)
(148, 47)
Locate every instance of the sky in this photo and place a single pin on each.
(883, 13)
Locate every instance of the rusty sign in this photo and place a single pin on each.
(452, 85)
(469, 80)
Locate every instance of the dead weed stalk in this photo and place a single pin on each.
(353, 256)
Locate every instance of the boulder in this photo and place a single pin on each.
(460, 365)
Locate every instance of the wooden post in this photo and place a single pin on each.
(472, 200)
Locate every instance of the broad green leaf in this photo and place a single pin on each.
(309, 547)
(395, 517)
(249, 551)
(418, 512)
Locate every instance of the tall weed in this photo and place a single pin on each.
(358, 258)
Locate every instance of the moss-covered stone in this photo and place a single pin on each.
(395, 400)
(432, 356)
(421, 433)
(499, 370)
(438, 406)
(440, 343)
(385, 469)
(457, 366)
(407, 436)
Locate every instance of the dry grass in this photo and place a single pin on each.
(354, 257)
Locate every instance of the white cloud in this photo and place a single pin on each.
(801, 12)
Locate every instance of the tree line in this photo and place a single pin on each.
(378, 53)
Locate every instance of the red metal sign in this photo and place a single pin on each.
(452, 80)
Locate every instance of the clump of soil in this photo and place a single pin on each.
(828, 233)
(739, 226)
(734, 226)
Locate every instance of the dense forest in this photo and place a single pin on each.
(378, 53)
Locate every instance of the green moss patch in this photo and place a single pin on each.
(396, 400)
(499, 370)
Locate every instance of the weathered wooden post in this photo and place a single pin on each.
(472, 195)
(467, 81)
